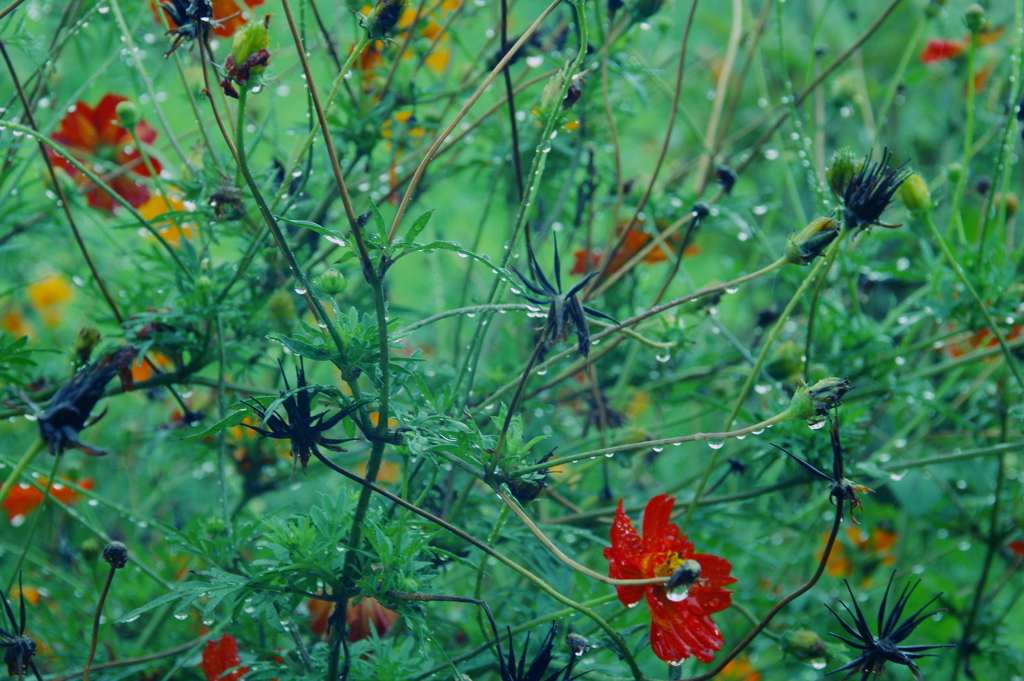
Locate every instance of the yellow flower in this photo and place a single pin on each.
(169, 229)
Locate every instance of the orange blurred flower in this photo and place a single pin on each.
(635, 241)
(24, 498)
(740, 669)
(48, 298)
(13, 322)
(141, 369)
(1016, 547)
(222, 9)
(170, 229)
(875, 547)
(220, 656)
(359, 617)
(94, 136)
(943, 49)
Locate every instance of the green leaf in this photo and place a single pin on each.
(232, 419)
(333, 235)
(379, 220)
(418, 226)
(303, 348)
(457, 248)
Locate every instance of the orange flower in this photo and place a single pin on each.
(24, 498)
(358, 618)
(220, 656)
(170, 229)
(95, 136)
(48, 298)
(635, 241)
(941, 49)
(876, 549)
(228, 15)
(740, 669)
(13, 322)
(141, 369)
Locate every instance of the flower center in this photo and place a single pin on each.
(673, 561)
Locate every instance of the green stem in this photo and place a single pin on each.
(755, 371)
(26, 458)
(1011, 361)
(35, 521)
(961, 183)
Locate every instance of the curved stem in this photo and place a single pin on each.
(96, 623)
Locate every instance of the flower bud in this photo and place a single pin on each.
(90, 549)
(248, 41)
(812, 402)
(1010, 201)
(954, 171)
(915, 195)
(844, 165)
(811, 241)
(127, 114)
(116, 554)
(974, 18)
(805, 644)
(384, 16)
(577, 644)
(86, 341)
(788, 361)
(332, 282)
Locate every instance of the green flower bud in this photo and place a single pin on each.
(86, 341)
(974, 18)
(813, 402)
(332, 282)
(248, 42)
(384, 17)
(127, 114)
(844, 165)
(805, 644)
(915, 195)
(954, 171)
(90, 549)
(811, 241)
(788, 361)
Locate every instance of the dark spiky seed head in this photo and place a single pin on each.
(116, 554)
(870, 191)
(727, 178)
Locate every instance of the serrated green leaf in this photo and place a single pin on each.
(232, 419)
(418, 226)
(303, 348)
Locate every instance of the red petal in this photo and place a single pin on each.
(661, 535)
(677, 632)
(941, 50)
(623, 557)
(220, 656)
(77, 129)
(110, 132)
(714, 571)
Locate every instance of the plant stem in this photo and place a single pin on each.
(26, 458)
(96, 623)
(961, 183)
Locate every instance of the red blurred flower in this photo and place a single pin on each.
(222, 9)
(96, 137)
(24, 498)
(1016, 548)
(220, 656)
(941, 49)
(678, 628)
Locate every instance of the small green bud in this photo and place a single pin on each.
(915, 195)
(551, 96)
(248, 41)
(332, 282)
(204, 285)
(805, 644)
(954, 171)
(384, 17)
(788, 361)
(127, 114)
(90, 549)
(86, 341)
(811, 241)
(844, 165)
(974, 18)
(116, 554)
(810, 403)
(643, 10)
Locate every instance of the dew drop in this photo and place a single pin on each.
(816, 425)
(300, 291)
(716, 443)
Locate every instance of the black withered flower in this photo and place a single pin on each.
(513, 670)
(885, 647)
(303, 428)
(727, 177)
(870, 190)
(70, 407)
(563, 308)
(842, 489)
(194, 19)
(20, 648)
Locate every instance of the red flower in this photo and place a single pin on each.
(1016, 548)
(220, 656)
(678, 628)
(95, 136)
(24, 498)
(635, 240)
(941, 49)
(222, 9)
(359, 617)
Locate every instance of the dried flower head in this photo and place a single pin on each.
(20, 648)
(192, 20)
(563, 308)
(69, 409)
(885, 647)
(811, 241)
(303, 428)
(870, 190)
